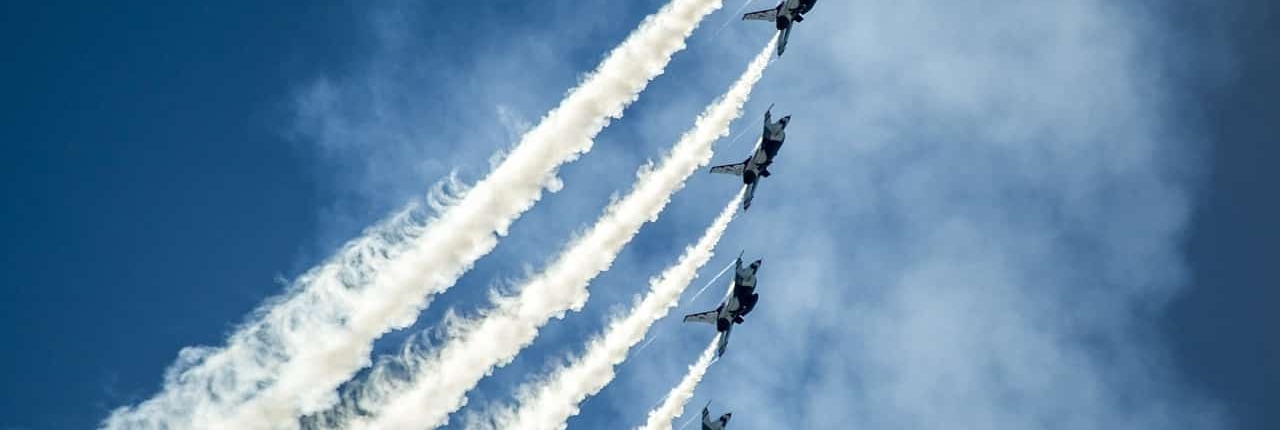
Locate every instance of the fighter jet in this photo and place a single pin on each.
(738, 304)
(757, 165)
(719, 424)
(784, 16)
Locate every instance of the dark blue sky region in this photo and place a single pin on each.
(134, 134)
(1223, 327)
(153, 189)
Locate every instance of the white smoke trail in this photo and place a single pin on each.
(439, 382)
(673, 405)
(205, 383)
(554, 399)
(293, 357)
(654, 336)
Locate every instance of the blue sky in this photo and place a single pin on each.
(167, 165)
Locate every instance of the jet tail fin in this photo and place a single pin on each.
(724, 341)
(782, 40)
(751, 193)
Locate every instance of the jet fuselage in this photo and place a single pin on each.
(792, 11)
(742, 300)
(770, 143)
(721, 423)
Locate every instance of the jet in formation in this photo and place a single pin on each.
(742, 299)
(719, 424)
(783, 16)
(757, 165)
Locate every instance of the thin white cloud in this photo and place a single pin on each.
(976, 223)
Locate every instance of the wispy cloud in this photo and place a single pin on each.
(979, 212)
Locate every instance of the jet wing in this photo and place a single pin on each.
(708, 317)
(730, 169)
(762, 15)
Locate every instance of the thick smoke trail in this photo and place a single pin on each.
(291, 359)
(439, 381)
(673, 405)
(205, 383)
(554, 399)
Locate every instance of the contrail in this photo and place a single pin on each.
(673, 405)
(704, 287)
(689, 421)
(556, 398)
(290, 360)
(439, 381)
(647, 342)
(730, 20)
(708, 284)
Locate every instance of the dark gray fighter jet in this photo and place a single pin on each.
(742, 299)
(757, 165)
(783, 16)
(719, 424)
